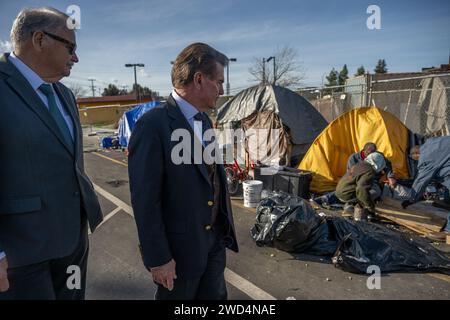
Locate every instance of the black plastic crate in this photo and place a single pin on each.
(292, 181)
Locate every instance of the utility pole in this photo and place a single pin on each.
(264, 72)
(228, 74)
(274, 69)
(92, 86)
(134, 65)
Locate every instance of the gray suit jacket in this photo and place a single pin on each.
(45, 195)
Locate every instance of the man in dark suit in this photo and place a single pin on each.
(182, 208)
(46, 197)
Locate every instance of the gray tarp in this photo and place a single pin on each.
(274, 107)
(304, 121)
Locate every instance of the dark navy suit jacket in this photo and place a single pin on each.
(172, 202)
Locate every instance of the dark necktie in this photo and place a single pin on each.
(201, 116)
(56, 114)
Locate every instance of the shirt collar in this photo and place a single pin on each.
(188, 110)
(33, 78)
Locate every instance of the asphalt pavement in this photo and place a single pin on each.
(116, 271)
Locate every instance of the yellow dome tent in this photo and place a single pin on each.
(327, 157)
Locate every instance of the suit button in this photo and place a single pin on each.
(210, 203)
(76, 193)
(208, 227)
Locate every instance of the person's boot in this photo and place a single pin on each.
(372, 217)
(359, 214)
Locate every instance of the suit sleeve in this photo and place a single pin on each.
(146, 172)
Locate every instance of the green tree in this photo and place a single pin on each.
(343, 75)
(111, 90)
(332, 78)
(381, 66)
(360, 71)
(143, 91)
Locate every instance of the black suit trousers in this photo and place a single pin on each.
(210, 286)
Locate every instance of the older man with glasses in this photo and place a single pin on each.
(46, 200)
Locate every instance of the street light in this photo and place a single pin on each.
(228, 74)
(134, 65)
(274, 69)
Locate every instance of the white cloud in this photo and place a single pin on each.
(143, 73)
(5, 46)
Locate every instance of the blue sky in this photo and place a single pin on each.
(326, 34)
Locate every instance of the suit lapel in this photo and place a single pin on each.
(22, 87)
(180, 122)
(65, 100)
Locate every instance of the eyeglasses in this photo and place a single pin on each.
(71, 47)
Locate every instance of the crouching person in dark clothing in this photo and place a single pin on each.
(359, 186)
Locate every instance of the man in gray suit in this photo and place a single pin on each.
(46, 198)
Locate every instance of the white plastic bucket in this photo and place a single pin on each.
(252, 193)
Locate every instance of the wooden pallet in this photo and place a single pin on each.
(421, 218)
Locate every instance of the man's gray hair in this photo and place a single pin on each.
(30, 20)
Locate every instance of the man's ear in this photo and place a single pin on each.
(37, 39)
(198, 78)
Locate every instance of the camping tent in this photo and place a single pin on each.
(129, 118)
(328, 155)
(273, 107)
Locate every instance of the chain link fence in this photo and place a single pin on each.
(421, 102)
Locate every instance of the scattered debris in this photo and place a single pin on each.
(117, 183)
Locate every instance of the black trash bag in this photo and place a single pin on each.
(363, 244)
(290, 224)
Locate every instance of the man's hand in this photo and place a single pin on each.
(392, 182)
(406, 203)
(4, 283)
(165, 274)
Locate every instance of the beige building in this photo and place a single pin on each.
(106, 110)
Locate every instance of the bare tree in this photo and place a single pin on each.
(77, 89)
(288, 70)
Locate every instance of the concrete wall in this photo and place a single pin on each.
(102, 115)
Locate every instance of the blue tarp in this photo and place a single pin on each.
(434, 164)
(107, 142)
(129, 119)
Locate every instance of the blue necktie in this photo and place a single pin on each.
(56, 114)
